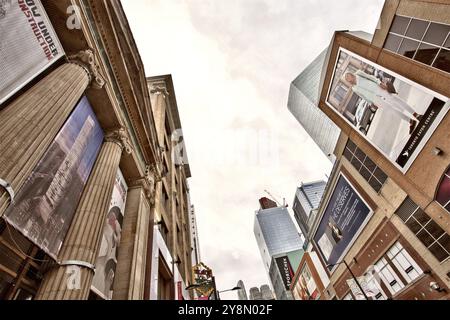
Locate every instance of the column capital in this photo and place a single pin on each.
(86, 60)
(147, 183)
(160, 90)
(120, 137)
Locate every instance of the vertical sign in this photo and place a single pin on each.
(28, 44)
(345, 216)
(44, 207)
(105, 267)
(286, 271)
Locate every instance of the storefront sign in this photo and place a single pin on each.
(105, 267)
(44, 207)
(287, 273)
(397, 116)
(28, 44)
(344, 218)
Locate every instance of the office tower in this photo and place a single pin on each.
(303, 101)
(306, 202)
(267, 293)
(242, 293)
(276, 236)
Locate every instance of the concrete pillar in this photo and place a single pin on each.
(129, 282)
(30, 123)
(72, 278)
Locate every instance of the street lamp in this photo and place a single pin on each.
(353, 275)
(216, 293)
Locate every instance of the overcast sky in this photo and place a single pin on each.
(232, 63)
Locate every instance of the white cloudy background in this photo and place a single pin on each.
(232, 63)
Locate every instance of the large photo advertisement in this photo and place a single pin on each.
(394, 114)
(344, 218)
(28, 44)
(44, 208)
(105, 267)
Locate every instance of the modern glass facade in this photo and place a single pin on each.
(276, 233)
(307, 199)
(303, 103)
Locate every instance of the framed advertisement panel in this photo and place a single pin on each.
(345, 216)
(105, 266)
(44, 207)
(394, 114)
(28, 44)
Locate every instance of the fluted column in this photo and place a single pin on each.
(129, 282)
(30, 123)
(72, 278)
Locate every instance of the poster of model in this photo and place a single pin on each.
(105, 267)
(344, 218)
(28, 44)
(44, 207)
(394, 114)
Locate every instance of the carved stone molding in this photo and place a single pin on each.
(86, 59)
(160, 91)
(147, 183)
(120, 137)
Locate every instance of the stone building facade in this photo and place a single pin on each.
(101, 64)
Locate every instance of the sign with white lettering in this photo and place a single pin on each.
(28, 44)
(287, 273)
(344, 218)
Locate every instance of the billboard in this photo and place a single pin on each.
(286, 271)
(345, 216)
(397, 116)
(105, 266)
(28, 44)
(44, 207)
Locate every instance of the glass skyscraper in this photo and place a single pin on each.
(276, 236)
(303, 103)
(307, 201)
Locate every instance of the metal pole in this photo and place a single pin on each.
(356, 280)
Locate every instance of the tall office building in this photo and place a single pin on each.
(267, 293)
(306, 202)
(242, 292)
(277, 237)
(255, 294)
(303, 101)
(275, 233)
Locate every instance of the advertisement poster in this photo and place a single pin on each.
(44, 208)
(394, 114)
(28, 44)
(286, 271)
(105, 267)
(344, 218)
(309, 285)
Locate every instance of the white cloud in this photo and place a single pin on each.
(232, 63)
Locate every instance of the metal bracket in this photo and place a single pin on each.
(8, 189)
(78, 264)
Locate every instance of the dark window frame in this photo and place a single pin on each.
(441, 48)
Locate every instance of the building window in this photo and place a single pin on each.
(405, 264)
(387, 274)
(426, 230)
(427, 42)
(365, 166)
(443, 195)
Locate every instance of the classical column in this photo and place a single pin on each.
(72, 278)
(129, 282)
(30, 123)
